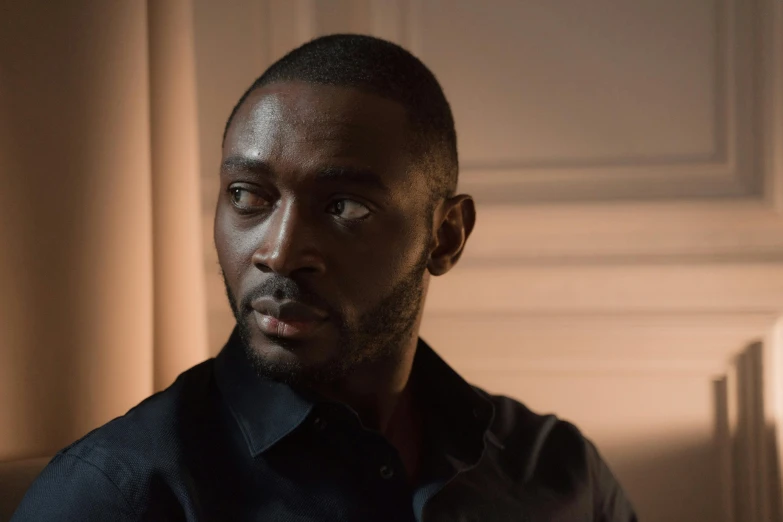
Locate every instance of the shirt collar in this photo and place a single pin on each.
(459, 415)
(265, 410)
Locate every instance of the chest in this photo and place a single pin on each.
(311, 486)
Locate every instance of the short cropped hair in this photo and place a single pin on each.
(387, 70)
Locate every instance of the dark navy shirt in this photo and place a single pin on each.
(221, 444)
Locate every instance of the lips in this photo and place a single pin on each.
(289, 319)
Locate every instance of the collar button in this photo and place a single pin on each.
(319, 424)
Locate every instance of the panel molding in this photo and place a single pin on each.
(748, 52)
(626, 233)
(748, 143)
(772, 103)
(676, 343)
(589, 366)
(638, 289)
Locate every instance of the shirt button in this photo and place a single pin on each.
(319, 424)
(387, 472)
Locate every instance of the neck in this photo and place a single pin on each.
(376, 390)
(382, 396)
(379, 390)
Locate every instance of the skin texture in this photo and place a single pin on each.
(322, 204)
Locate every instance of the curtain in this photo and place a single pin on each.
(102, 298)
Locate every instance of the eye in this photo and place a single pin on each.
(246, 200)
(349, 210)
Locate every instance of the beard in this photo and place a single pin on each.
(377, 337)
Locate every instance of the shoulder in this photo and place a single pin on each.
(152, 426)
(126, 457)
(537, 445)
(553, 453)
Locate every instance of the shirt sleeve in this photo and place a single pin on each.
(72, 489)
(610, 501)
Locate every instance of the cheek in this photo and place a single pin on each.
(222, 242)
(232, 247)
(405, 246)
(377, 265)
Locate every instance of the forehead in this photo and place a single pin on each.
(299, 122)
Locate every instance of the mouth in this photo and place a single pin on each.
(287, 319)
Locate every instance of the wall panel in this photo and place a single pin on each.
(627, 161)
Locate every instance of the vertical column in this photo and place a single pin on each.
(754, 424)
(180, 307)
(75, 214)
(725, 421)
(772, 387)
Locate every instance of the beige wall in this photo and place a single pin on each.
(626, 158)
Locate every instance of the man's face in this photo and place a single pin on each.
(322, 229)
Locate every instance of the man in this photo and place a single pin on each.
(337, 204)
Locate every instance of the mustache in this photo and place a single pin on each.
(282, 288)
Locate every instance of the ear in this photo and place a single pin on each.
(454, 220)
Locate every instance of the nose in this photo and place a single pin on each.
(288, 246)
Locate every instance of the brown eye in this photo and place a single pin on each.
(246, 200)
(349, 210)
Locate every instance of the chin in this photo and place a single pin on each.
(294, 361)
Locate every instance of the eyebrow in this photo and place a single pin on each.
(244, 164)
(330, 174)
(352, 175)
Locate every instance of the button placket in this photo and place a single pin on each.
(319, 424)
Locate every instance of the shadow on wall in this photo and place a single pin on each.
(744, 455)
(652, 463)
(747, 437)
